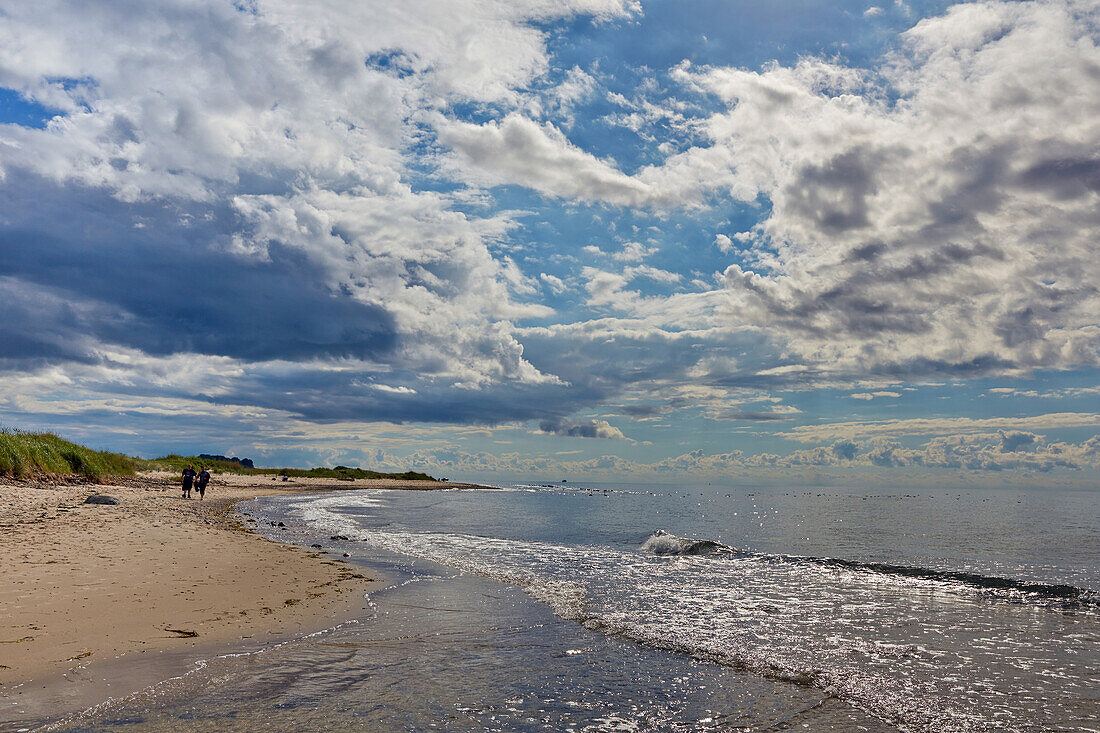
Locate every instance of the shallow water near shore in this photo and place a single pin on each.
(657, 608)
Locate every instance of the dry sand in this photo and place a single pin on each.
(86, 583)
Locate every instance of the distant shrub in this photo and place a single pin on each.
(178, 463)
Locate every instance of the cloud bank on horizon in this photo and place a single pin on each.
(528, 238)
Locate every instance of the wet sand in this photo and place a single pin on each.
(90, 590)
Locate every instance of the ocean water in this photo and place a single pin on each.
(630, 607)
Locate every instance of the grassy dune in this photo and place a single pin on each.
(24, 455)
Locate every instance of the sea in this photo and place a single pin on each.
(634, 607)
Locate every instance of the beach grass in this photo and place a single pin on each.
(23, 455)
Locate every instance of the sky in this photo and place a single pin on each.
(793, 242)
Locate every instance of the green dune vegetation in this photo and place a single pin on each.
(25, 455)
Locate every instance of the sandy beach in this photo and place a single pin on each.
(88, 584)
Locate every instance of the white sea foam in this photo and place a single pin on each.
(322, 513)
(842, 629)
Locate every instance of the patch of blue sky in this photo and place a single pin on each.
(16, 109)
(248, 7)
(742, 33)
(477, 113)
(423, 176)
(393, 62)
(1055, 392)
(627, 56)
(553, 240)
(421, 159)
(627, 116)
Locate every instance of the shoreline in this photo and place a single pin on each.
(100, 599)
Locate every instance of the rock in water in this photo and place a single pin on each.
(101, 499)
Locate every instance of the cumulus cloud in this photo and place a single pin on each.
(932, 426)
(633, 252)
(393, 390)
(969, 455)
(553, 282)
(652, 273)
(947, 231)
(581, 429)
(521, 151)
(873, 395)
(1002, 451)
(224, 213)
(1057, 394)
(232, 182)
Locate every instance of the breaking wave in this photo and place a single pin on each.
(663, 543)
(880, 636)
(1066, 597)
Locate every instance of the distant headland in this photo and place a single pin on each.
(245, 462)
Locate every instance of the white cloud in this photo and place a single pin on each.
(577, 86)
(950, 231)
(518, 150)
(393, 390)
(633, 252)
(936, 214)
(938, 426)
(652, 273)
(582, 429)
(964, 455)
(872, 11)
(608, 289)
(906, 234)
(873, 395)
(554, 283)
(274, 117)
(1057, 394)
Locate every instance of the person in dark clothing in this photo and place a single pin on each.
(188, 479)
(201, 481)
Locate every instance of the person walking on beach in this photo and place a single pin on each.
(201, 481)
(188, 479)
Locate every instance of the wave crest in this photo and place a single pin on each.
(664, 543)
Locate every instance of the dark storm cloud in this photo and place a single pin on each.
(163, 288)
(76, 274)
(580, 428)
(845, 449)
(1066, 178)
(1016, 440)
(834, 194)
(328, 396)
(642, 410)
